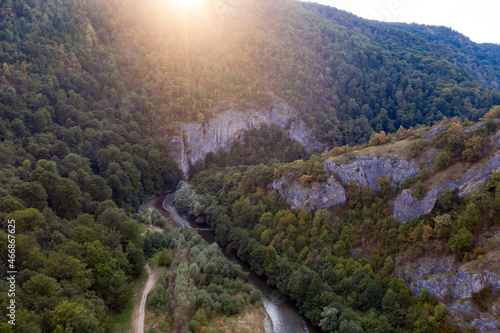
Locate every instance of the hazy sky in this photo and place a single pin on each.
(477, 19)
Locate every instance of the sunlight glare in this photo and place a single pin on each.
(188, 3)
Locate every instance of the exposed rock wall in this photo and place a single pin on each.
(314, 196)
(365, 171)
(196, 140)
(454, 284)
(407, 207)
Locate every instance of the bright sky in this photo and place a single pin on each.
(477, 19)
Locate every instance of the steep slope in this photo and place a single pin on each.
(482, 61)
(367, 168)
(229, 125)
(360, 223)
(342, 79)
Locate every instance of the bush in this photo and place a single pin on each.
(165, 258)
(255, 296)
(441, 313)
(461, 241)
(493, 113)
(468, 155)
(417, 147)
(490, 126)
(407, 183)
(443, 160)
(378, 139)
(157, 219)
(192, 325)
(482, 297)
(420, 189)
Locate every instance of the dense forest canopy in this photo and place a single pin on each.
(345, 75)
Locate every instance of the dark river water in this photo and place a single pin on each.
(282, 311)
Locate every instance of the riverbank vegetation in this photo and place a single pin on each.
(200, 285)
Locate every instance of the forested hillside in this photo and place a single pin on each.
(339, 264)
(89, 94)
(345, 75)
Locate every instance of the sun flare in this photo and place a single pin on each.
(188, 3)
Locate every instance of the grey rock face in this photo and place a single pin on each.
(368, 168)
(454, 284)
(475, 177)
(495, 139)
(478, 126)
(196, 140)
(364, 171)
(433, 132)
(315, 195)
(406, 207)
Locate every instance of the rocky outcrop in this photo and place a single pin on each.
(195, 140)
(433, 132)
(314, 196)
(476, 177)
(365, 171)
(407, 207)
(454, 284)
(478, 126)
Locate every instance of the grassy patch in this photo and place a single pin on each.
(251, 319)
(398, 147)
(121, 320)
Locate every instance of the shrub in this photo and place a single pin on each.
(442, 160)
(157, 219)
(482, 297)
(418, 146)
(423, 295)
(470, 217)
(490, 126)
(192, 326)
(493, 113)
(305, 180)
(165, 258)
(407, 183)
(255, 296)
(441, 313)
(336, 151)
(378, 139)
(401, 133)
(461, 241)
(468, 155)
(420, 189)
(448, 200)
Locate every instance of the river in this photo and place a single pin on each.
(282, 311)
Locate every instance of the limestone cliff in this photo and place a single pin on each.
(195, 140)
(365, 167)
(364, 170)
(454, 283)
(407, 207)
(316, 195)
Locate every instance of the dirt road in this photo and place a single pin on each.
(139, 314)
